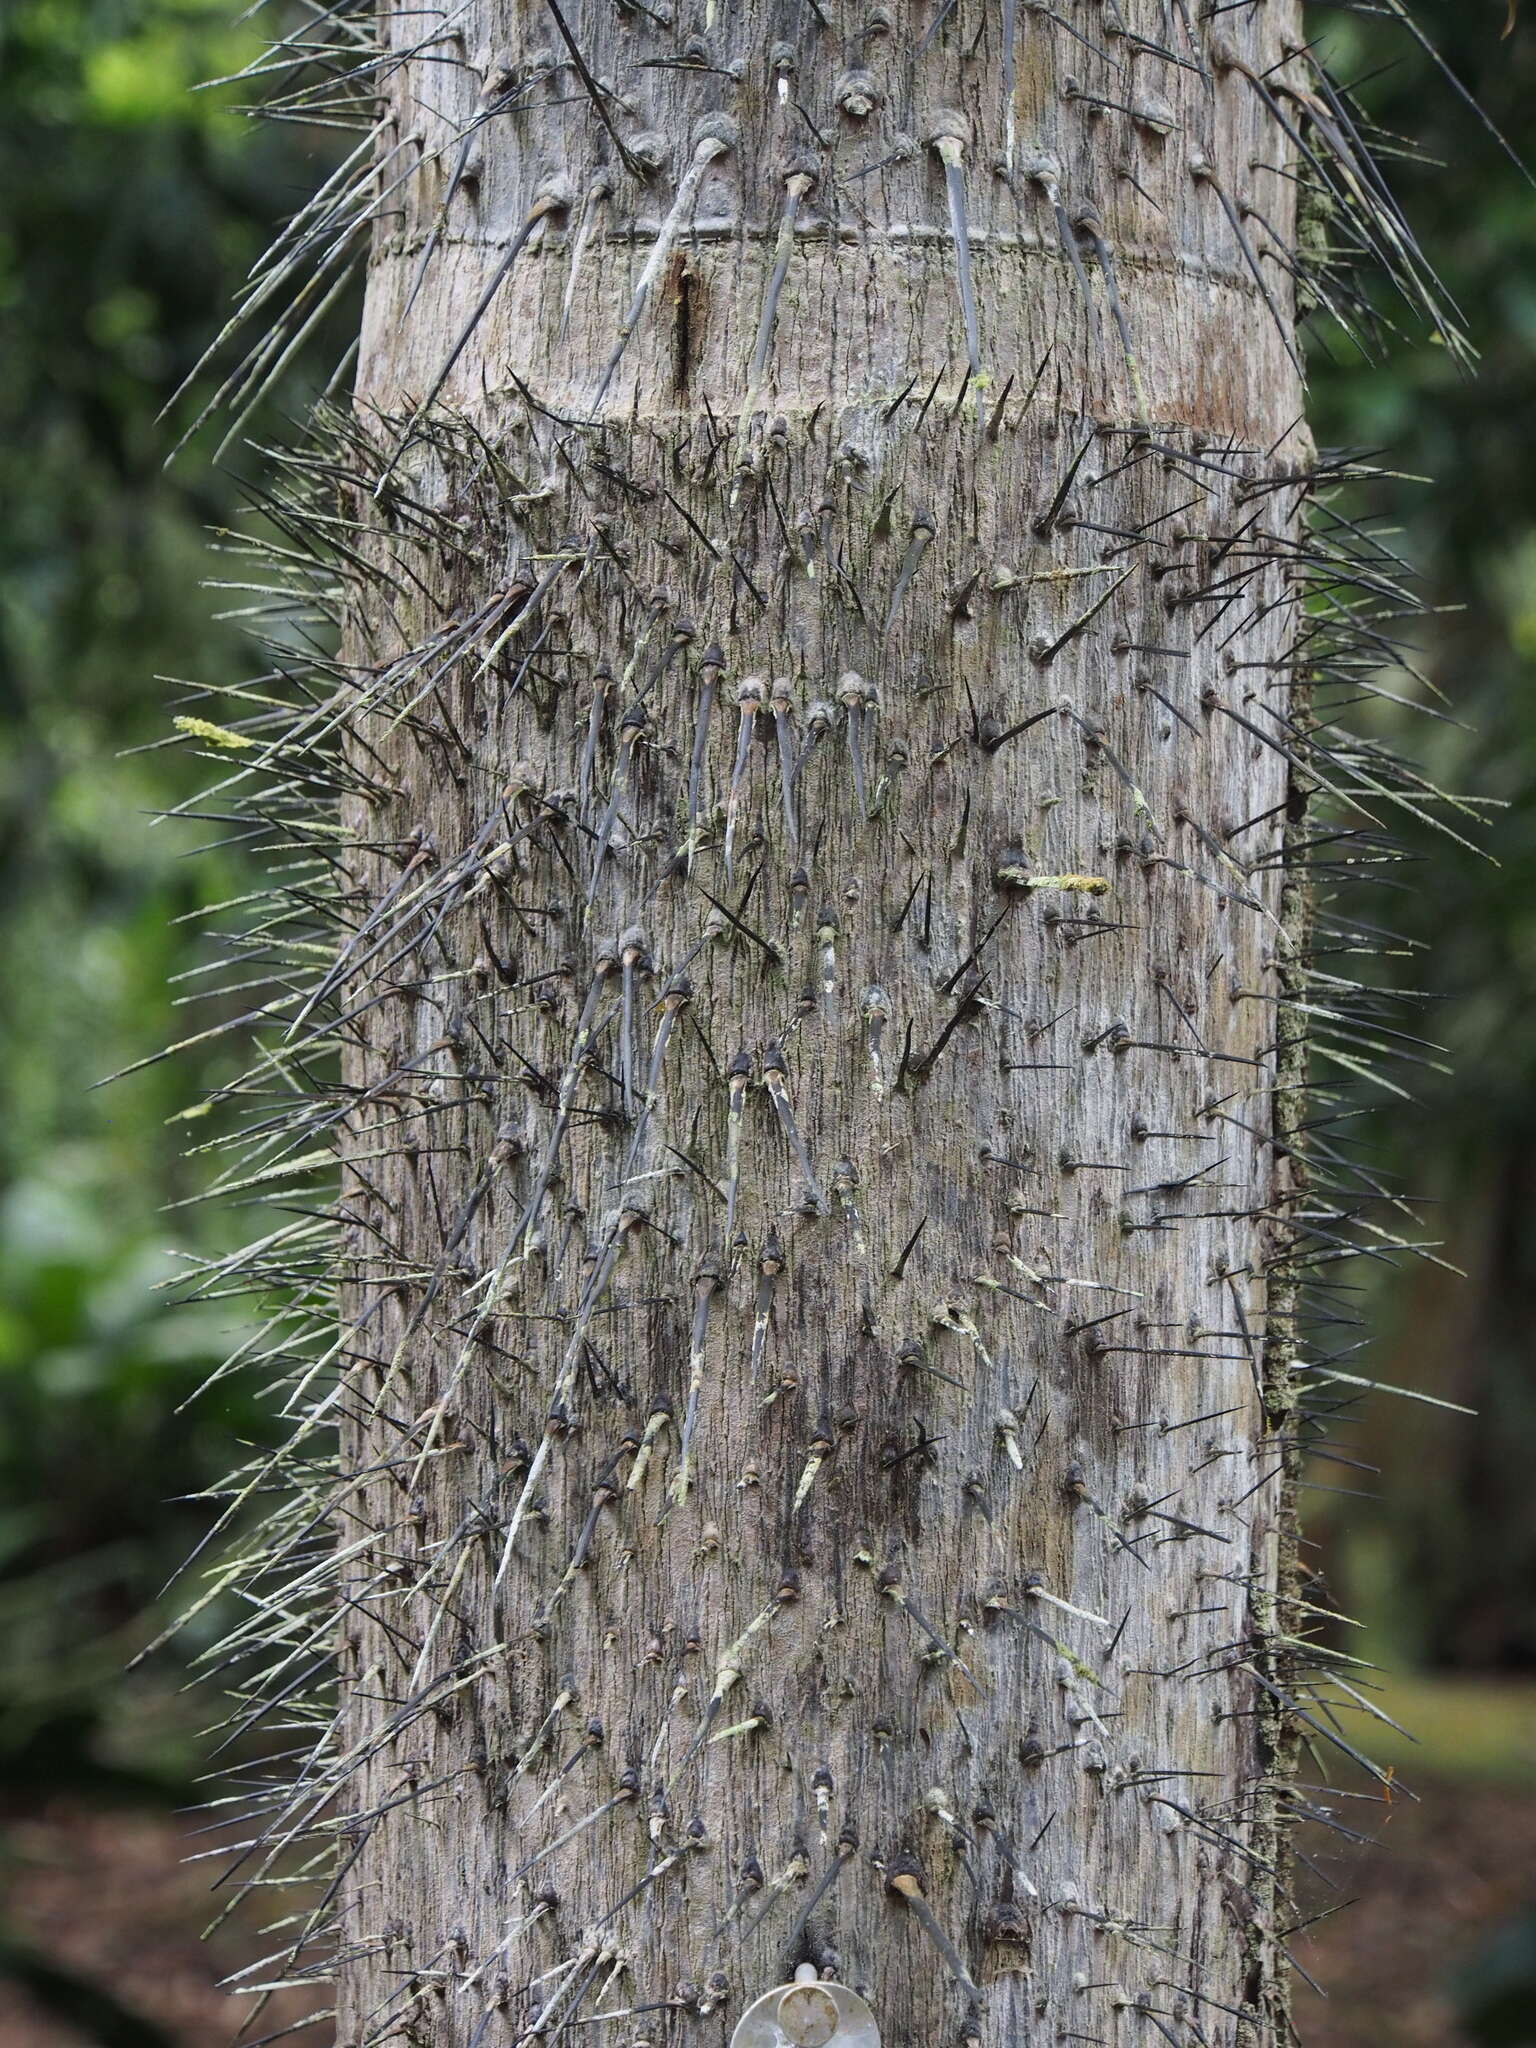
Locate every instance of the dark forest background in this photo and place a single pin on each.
(131, 206)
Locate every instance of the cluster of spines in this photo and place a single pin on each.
(288, 760)
(291, 749)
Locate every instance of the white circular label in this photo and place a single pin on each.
(807, 2014)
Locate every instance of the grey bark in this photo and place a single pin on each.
(814, 1369)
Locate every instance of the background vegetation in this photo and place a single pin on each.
(130, 207)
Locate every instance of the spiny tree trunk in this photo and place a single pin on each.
(820, 520)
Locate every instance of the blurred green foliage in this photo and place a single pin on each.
(130, 206)
(1445, 1565)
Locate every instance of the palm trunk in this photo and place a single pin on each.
(816, 1326)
